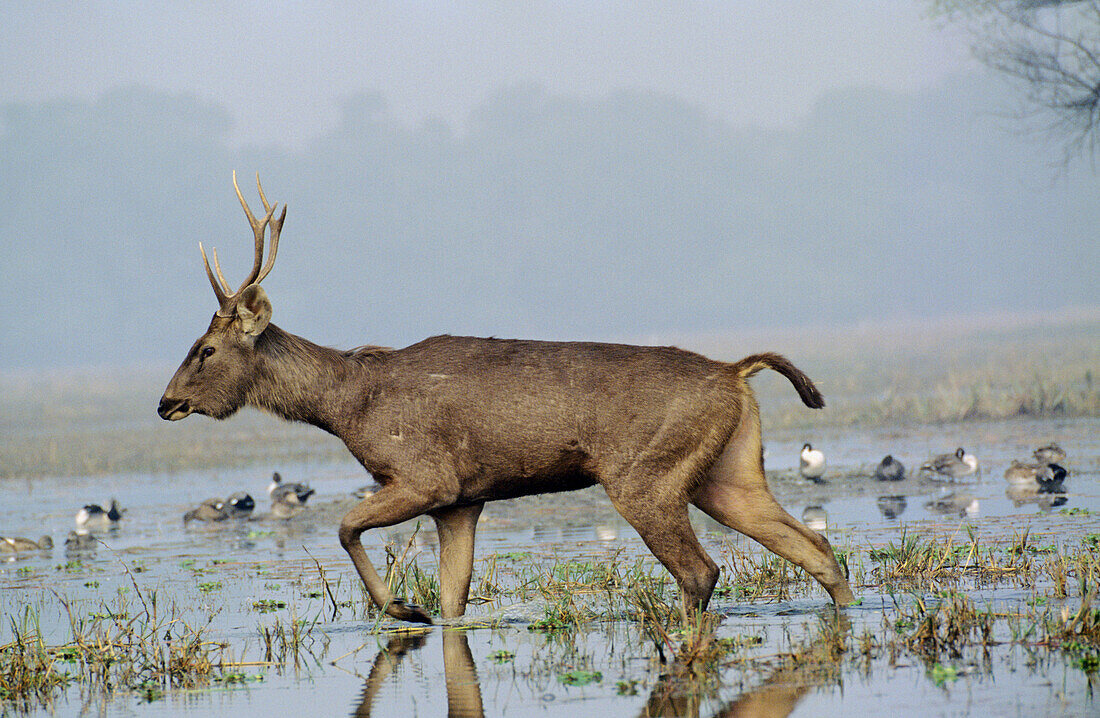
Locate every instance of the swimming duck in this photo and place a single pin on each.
(1050, 479)
(286, 507)
(79, 541)
(280, 491)
(239, 505)
(811, 464)
(952, 466)
(1049, 454)
(17, 544)
(208, 510)
(890, 469)
(1021, 473)
(1043, 488)
(94, 517)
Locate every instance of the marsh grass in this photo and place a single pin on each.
(758, 575)
(291, 642)
(960, 397)
(29, 671)
(126, 645)
(407, 579)
(947, 626)
(934, 372)
(930, 562)
(134, 644)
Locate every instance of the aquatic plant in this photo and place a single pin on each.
(29, 672)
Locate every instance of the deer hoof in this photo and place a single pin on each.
(408, 612)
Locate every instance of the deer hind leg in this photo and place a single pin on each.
(735, 493)
(391, 505)
(666, 530)
(456, 526)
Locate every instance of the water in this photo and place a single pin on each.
(351, 664)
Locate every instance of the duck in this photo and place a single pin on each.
(1022, 474)
(815, 518)
(286, 507)
(1050, 479)
(208, 510)
(94, 517)
(811, 464)
(1043, 488)
(891, 506)
(951, 466)
(18, 544)
(280, 491)
(365, 491)
(1049, 454)
(79, 542)
(239, 505)
(950, 503)
(890, 469)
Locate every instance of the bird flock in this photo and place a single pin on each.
(288, 499)
(1045, 472)
(1040, 480)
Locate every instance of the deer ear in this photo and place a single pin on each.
(253, 310)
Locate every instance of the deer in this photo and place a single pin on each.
(452, 422)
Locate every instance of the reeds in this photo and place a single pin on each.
(128, 646)
(407, 580)
(758, 575)
(134, 643)
(29, 671)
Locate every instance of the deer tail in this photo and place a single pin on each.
(752, 364)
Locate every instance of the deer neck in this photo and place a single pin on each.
(301, 381)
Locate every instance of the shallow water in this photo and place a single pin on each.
(353, 664)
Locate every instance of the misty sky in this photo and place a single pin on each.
(282, 68)
(560, 170)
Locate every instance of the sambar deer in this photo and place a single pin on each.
(451, 422)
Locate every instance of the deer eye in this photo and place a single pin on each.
(205, 353)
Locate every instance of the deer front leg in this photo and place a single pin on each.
(391, 505)
(456, 526)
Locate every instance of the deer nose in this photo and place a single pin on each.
(168, 407)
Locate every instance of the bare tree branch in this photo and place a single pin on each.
(1052, 49)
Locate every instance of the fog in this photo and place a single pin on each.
(585, 212)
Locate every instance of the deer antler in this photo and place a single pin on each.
(259, 227)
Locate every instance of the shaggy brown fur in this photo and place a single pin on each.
(450, 423)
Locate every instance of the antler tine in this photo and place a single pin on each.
(276, 226)
(218, 269)
(220, 291)
(258, 230)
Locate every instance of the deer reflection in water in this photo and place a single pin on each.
(463, 689)
(678, 692)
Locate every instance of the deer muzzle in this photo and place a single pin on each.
(173, 409)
